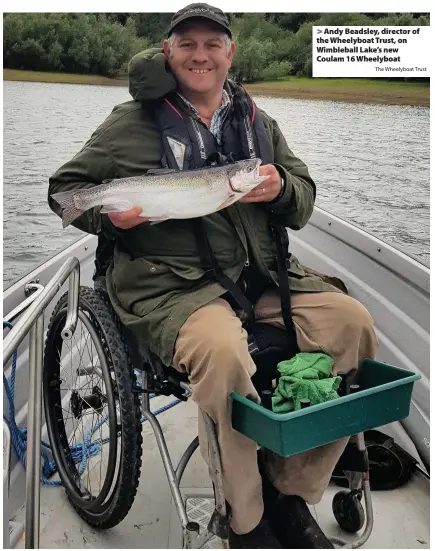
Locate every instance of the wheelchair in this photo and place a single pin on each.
(97, 388)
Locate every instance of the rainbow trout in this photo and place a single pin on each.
(163, 194)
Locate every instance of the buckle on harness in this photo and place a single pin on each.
(252, 345)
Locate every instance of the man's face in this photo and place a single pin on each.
(199, 58)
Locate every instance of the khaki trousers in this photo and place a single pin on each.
(212, 349)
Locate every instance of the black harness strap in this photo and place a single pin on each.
(283, 263)
(214, 272)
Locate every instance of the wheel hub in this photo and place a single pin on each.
(94, 401)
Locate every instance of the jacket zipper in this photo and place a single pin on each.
(200, 140)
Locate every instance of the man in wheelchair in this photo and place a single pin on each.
(190, 289)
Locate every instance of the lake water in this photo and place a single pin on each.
(370, 163)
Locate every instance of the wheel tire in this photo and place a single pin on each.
(348, 511)
(116, 496)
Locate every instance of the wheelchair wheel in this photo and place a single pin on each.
(348, 511)
(92, 414)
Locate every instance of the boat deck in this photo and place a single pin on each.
(401, 516)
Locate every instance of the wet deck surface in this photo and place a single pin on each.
(401, 516)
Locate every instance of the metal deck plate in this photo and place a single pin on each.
(199, 509)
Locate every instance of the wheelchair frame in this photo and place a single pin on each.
(219, 522)
(218, 525)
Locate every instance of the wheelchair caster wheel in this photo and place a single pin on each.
(348, 511)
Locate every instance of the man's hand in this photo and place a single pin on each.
(268, 190)
(128, 219)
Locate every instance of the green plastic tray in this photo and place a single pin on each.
(386, 398)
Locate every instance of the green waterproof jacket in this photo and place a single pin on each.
(155, 280)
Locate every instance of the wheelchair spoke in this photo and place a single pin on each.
(102, 451)
(83, 386)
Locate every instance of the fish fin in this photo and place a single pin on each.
(122, 206)
(158, 171)
(107, 181)
(158, 219)
(229, 201)
(69, 211)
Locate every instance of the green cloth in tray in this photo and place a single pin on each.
(307, 376)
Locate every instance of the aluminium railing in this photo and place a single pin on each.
(32, 323)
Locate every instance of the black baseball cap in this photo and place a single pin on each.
(200, 10)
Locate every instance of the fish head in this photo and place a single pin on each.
(245, 175)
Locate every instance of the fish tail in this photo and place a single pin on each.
(69, 210)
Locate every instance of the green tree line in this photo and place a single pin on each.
(269, 46)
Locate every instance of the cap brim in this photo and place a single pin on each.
(203, 16)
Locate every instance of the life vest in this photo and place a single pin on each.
(188, 144)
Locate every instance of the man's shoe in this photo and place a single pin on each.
(290, 518)
(295, 526)
(261, 537)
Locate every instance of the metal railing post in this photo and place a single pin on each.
(6, 480)
(32, 323)
(33, 456)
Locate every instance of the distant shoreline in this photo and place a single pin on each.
(61, 78)
(348, 90)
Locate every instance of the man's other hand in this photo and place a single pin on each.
(128, 219)
(268, 190)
